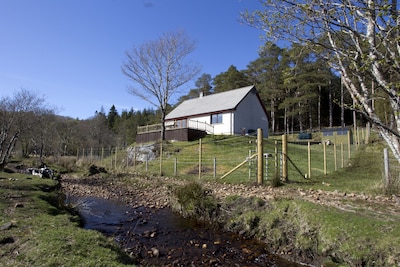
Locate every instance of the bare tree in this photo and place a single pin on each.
(159, 68)
(360, 41)
(17, 116)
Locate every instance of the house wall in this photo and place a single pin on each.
(250, 115)
(219, 128)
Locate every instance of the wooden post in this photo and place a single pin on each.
(342, 154)
(284, 158)
(334, 155)
(309, 159)
(175, 166)
(161, 156)
(260, 157)
(324, 145)
(134, 158)
(277, 173)
(102, 155)
(91, 155)
(200, 150)
(116, 151)
(215, 167)
(349, 142)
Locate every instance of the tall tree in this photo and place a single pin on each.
(112, 117)
(360, 38)
(17, 117)
(266, 73)
(203, 86)
(231, 79)
(159, 68)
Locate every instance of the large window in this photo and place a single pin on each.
(216, 118)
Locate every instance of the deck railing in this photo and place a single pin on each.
(149, 128)
(192, 124)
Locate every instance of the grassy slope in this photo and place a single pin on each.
(324, 234)
(348, 238)
(42, 234)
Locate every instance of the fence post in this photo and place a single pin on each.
(215, 167)
(134, 158)
(309, 159)
(175, 166)
(349, 142)
(102, 155)
(200, 150)
(115, 163)
(324, 144)
(334, 155)
(386, 166)
(342, 154)
(260, 157)
(276, 158)
(284, 158)
(161, 156)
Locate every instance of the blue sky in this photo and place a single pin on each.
(70, 52)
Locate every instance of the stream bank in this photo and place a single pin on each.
(160, 237)
(141, 220)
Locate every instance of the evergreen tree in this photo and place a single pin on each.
(231, 79)
(266, 73)
(112, 117)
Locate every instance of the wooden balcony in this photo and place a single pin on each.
(194, 130)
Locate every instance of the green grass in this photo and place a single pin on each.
(307, 230)
(45, 234)
(363, 174)
(360, 173)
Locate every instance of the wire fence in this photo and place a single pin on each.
(229, 158)
(391, 172)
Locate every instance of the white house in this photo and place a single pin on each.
(235, 112)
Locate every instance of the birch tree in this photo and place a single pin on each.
(361, 42)
(159, 68)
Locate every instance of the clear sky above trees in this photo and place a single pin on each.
(71, 51)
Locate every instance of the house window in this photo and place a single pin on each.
(181, 124)
(216, 118)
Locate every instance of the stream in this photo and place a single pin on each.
(159, 237)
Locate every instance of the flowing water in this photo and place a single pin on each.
(159, 237)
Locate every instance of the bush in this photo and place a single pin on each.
(195, 201)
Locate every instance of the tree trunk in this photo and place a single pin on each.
(330, 105)
(272, 116)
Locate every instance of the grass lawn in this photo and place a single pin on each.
(37, 232)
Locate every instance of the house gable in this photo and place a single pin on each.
(235, 112)
(211, 104)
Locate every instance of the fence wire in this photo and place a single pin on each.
(215, 156)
